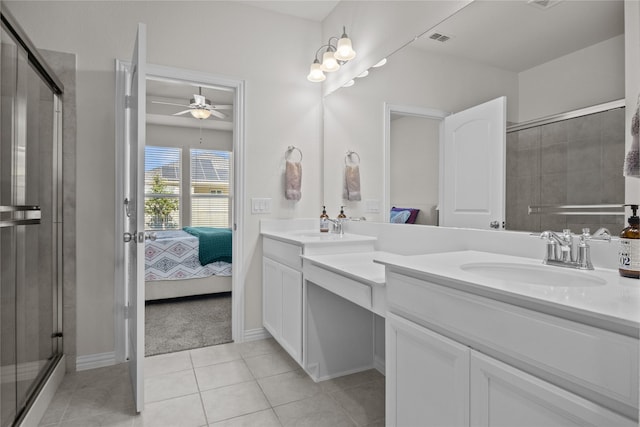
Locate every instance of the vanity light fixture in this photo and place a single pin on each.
(349, 83)
(380, 63)
(365, 73)
(334, 56)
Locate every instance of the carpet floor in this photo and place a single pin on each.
(186, 323)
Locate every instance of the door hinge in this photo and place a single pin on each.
(56, 335)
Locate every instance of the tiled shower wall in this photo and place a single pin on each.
(571, 162)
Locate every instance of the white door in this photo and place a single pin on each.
(134, 235)
(427, 377)
(472, 172)
(503, 396)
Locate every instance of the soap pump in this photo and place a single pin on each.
(341, 215)
(324, 221)
(629, 252)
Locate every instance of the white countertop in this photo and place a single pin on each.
(357, 266)
(613, 304)
(315, 237)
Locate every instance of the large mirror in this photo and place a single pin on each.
(547, 58)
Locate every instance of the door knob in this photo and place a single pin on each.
(494, 224)
(129, 237)
(150, 236)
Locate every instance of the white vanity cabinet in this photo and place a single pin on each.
(458, 359)
(282, 294)
(427, 377)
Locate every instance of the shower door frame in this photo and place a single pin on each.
(33, 59)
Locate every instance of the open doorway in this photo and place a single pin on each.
(178, 86)
(188, 175)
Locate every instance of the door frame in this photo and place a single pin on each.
(237, 287)
(406, 110)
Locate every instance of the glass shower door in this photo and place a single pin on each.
(28, 231)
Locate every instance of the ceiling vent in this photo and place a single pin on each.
(543, 4)
(439, 37)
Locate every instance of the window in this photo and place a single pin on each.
(162, 182)
(210, 196)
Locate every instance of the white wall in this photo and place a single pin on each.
(268, 50)
(354, 117)
(414, 171)
(183, 137)
(587, 77)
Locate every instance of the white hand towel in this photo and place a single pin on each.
(293, 181)
(351, 183)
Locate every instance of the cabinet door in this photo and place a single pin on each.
(292, 312)
(502, 395)
(427, 377)
(272, 297)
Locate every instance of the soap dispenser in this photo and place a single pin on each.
(324, 221)
(629, 252)
(341, 215)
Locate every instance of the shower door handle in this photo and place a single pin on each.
(12, 216)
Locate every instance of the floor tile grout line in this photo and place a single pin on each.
(204, 410)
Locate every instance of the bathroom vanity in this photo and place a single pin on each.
(471, 336)
(467, 347)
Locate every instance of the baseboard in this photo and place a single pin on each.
(93, 361)
(256, 334)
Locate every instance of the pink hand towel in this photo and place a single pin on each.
(293, 181)
(351, 183)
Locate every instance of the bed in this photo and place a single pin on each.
(183, 263)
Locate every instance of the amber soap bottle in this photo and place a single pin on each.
(629, 252)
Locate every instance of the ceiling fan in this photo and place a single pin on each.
(200, 107)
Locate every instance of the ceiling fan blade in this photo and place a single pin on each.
(168, 103)
(222, 107)
(218, 114)
(182, 112)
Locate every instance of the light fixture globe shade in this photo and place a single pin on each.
(200, 113)
(344, 51)
(315, 73)
(329, 62)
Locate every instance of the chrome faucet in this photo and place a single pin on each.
(337, 225)
(561, 250)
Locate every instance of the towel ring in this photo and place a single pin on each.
(350, 155)
(290, 150)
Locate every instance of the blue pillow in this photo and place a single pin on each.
(400, 217)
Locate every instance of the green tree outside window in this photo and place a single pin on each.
(160, 208)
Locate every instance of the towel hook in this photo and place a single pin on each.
(350, 155)
(290, 150)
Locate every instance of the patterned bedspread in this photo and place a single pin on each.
(174, 256)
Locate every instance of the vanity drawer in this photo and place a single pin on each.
(285, 253)
(349, 289)
(595, 363)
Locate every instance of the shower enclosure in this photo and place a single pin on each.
(30, 223)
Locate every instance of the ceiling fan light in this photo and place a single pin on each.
(344, 51)
(200, 113)
(315, 73)
(329, 62)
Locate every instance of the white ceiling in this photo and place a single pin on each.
(313, 10)
(516, 36)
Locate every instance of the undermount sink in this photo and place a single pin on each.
(534, 274)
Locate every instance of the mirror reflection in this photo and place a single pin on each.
(546, 61)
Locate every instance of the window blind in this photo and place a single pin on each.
(210, 188)
(162, 182)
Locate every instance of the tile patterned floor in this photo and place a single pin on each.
(249, 384)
